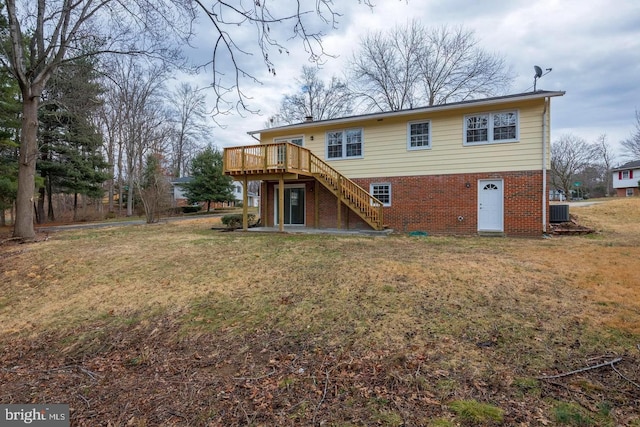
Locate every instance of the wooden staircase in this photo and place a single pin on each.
(265, 161)
(351, 194)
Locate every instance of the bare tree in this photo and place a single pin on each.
(153, 188)
(413, 65)
(631, 145)
(385, 71)
(43, 34)
(604, 155)
(135, 99)
(570, 155)
(454, 68)
(188, 118)
(316, 100)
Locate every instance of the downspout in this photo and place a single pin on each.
(544, 166)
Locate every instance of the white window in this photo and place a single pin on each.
(488, 128)
(629, 192)
(418, 135)
(625, 174)
(298, 140)
(382, 192)
(344, 144)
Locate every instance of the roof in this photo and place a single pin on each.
(181, 180)
(630, 165)
(433, 108)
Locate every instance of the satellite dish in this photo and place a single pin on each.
(538, 71)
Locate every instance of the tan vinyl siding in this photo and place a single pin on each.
(385, 150)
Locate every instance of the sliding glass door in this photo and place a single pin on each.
(294, 205)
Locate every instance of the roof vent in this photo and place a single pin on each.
(308, 118)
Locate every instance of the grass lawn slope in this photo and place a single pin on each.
(177, 324)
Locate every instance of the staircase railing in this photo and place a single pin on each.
(357, 198)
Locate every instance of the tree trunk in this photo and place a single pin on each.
(130, 195)
(40, 212)
(51, 216)
(75, 207)
(27, 167)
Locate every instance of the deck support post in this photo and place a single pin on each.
(316, 204)
(339, 196)
(281, 203)
(245, 207)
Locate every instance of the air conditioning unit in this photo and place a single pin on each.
(559, 213)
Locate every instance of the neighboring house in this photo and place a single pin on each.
(625, 179)
(557, 195)
(179, 198)
(469, 167)
(238, 193)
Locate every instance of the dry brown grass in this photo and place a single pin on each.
(84, 275)
(540, 305)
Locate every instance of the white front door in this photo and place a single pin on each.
(490, 205)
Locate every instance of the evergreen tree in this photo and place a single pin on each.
(70, 160)
(209, 183)
(9, 126)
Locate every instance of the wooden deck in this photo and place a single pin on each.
(286, 161)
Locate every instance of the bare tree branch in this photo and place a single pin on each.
(412, 65)
(570, 154)
(631, 145)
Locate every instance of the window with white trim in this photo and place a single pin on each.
(490, 128)
(298, 140)
(629, 192)
(419, 135)
(382, 192)
(344, 144)
(625, 174)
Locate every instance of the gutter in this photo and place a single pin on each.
(544, 166)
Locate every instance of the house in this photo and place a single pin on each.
(179, 198)
(470, 167)
(557, 195)
(626, 179)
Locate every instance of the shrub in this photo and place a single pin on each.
(233, 221)
(191, 209)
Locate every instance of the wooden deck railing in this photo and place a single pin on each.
(266, 158)
(290, 158)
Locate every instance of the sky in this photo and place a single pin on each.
(592, 47)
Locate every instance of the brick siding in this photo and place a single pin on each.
(432, 203)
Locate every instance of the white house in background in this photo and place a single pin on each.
(556, 194)
(179, 198)
(253, 199)
(625, 179)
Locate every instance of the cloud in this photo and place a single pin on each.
(593, 47)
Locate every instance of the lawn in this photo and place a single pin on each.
(179, 324)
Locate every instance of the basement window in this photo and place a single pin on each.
(382, 192)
